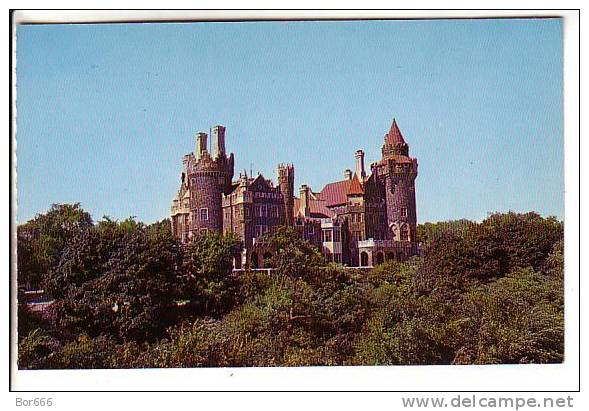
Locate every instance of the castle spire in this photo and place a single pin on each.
(394, 137)
(394, 143)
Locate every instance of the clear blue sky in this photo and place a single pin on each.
(106, 112)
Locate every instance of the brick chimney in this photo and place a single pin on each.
(347, 174)
(305, 208)
(360, 172)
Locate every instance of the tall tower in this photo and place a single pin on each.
(286, 184)
(399, 172)
(209, 177)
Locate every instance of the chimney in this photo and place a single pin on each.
(360, 172)
(304, 207)
(201, 144)
(347, 174)
(218, 140)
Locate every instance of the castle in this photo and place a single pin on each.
(362, 220)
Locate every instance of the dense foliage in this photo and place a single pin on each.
(127, 294)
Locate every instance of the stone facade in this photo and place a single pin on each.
(362, 220)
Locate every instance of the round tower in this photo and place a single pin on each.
(209, 178)
(286, 184)
(399, 172)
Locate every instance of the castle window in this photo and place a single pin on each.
(403, 211)
(204, 214)
(264, 211)
(405, 233)
(336, 236)
(274, 211)
(327, 238)
(247, 212)
(261, 230)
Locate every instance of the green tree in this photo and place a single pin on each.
(118, 279)
(207, 266)
(293, 256)
(41, 241)
(518, 319)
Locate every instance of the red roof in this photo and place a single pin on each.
(400, 159)
(317, 208)
(335, 193)
(355, 188)
(394, 137)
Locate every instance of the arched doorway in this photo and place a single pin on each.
(254, 260)
(391, 256)
(379, 257)
(363, 259)
(267, 256)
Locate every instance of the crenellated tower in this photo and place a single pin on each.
(206, 177)
(286, 184)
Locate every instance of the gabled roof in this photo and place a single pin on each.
(260, 183)
(394, 136)
(317, 208)
(335, 193)
(355, 188)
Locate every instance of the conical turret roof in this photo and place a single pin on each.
(394, 136)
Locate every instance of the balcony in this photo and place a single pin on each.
(377, 243)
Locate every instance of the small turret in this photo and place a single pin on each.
(394, 143)
(218, 141)
(201, 144)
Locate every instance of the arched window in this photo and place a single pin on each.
(404, 232)
(364, 259)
